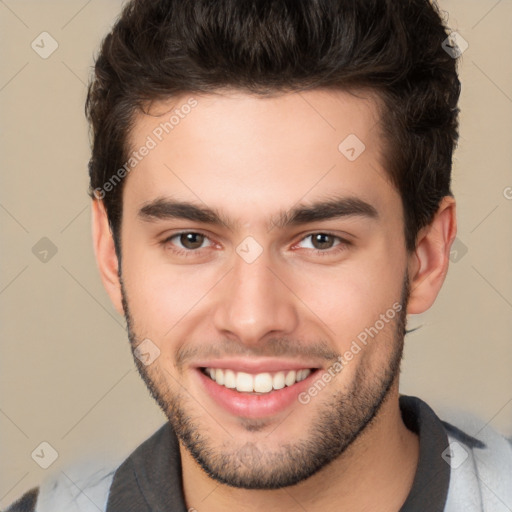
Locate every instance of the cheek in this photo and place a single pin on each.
(351, 298)
(162, 296)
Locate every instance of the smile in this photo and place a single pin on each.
(255, 388)
(256, 383)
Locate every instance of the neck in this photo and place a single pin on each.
(383, 458)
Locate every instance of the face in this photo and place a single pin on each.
(264, 273)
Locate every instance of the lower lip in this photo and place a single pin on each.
(254, 406)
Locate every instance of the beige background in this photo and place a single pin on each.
(67, 376)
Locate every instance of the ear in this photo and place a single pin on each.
(428, 264)
(106, 257)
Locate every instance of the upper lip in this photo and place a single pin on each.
(257, 365)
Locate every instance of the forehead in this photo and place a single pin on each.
(252, 156)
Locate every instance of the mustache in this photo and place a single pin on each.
(274, 347)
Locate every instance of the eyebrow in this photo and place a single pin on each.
(338, 207)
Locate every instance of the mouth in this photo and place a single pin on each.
(255, 391)
(256, 384)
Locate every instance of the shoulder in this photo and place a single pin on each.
(480, 459)
(26, 503)
(85, 486)
(82, 487)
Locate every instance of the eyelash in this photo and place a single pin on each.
(341, 246)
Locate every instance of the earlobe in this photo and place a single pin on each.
(104, 250)
(428, 265)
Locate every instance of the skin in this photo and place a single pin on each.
(250, 158)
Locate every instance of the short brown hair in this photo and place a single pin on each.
(161, 48)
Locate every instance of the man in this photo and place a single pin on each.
(271, 198)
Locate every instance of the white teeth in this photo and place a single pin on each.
(259, 383)
(229, 379)
(278, 380)
(290, 378)
(263, 383)
(302, 374)
(244, 382)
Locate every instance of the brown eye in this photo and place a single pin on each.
(191, 240)
(322, 241)
(187, 243)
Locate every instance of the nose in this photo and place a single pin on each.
(255, 302)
